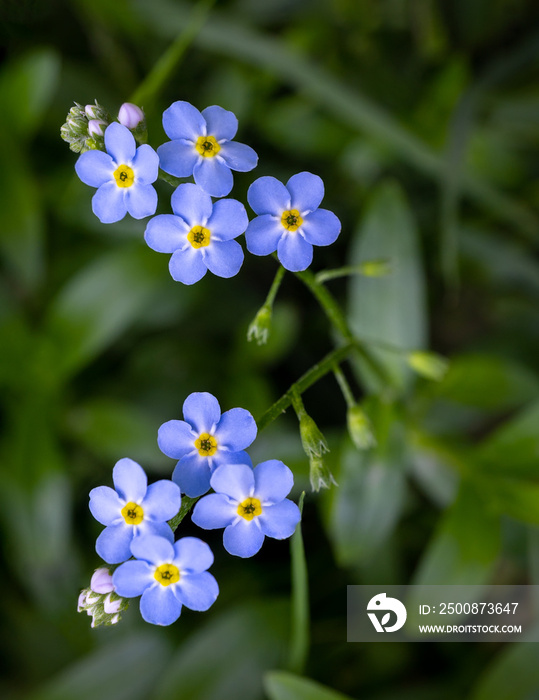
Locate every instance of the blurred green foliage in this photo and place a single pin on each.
(422, 118)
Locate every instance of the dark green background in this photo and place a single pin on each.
(422, 119)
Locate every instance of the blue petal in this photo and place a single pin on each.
(187, 265)
(183, 121)
(159, 606)
(166, 233)
(279, 521)
(321, 227)
(236, 430)
(153, 549)
(141, 201)
(197, 591)
(112, 545)
(234, 480)
(238, 156)
(273, 481)
(243, 539)
(220, 123)
(120, 143)
(145, 165)
(306, 192)
(176, 438)
(224, 457)
(268, 196)
(228, 220)
(130, 480)
(294, 252)
(202, 411)
(263, 234)
(192, 474)
(214, 176)
(162, 501)
(95, 168)
(224, 258)
(192, 555)
(132, 578)
(178, 158)
(105, 505)
(156, 529)
(108, 203)
(214, 511)
(192, 204)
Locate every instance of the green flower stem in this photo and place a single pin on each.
(171, 179)
(275, 287)
(361, 269)
(310, 377)
(299, 637)
(345, 387)
(163, 70)
(187, 504)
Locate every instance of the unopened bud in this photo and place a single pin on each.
(102, 581)
(359, 427)
(111, 607)
(375, 268)
(130, 115)
(96, 127)
(260, 327)
(312, 439)
(103, 605)
(319, 474)
(428, 364)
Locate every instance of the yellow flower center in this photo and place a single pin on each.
(291, 220)
(167, 574)
(249, 508)
(133, 513)
(199, 237)
(207, 146)
(124, 176)
(206, 445)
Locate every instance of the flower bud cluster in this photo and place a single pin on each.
(84, 127)
(100, 601)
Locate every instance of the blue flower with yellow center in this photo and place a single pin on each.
(167, 576)
(289, 220)
(199, 235)
(250, 504)
(205, 440)
(123, 176)
(202, 146)
(132, 509)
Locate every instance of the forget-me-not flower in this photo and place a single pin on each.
(199, 234)
(167, 576)
(133, 509)
(250, 504)
(202, 146)
(289, 220)
(205, 440)
(123, 176)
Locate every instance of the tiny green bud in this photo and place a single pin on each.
(359, 427)
(312, 439)
(320, 475)
(428, 364)
(375, 268)
(260, 327)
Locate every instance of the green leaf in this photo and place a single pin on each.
(390, 309)
(26, 88)
(280, 685)
(228, 653)
(124, 669)
(453, 556)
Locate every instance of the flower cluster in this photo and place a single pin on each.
(199, 234)
(140, 519)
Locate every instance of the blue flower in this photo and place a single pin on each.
(202, 146)
(205, 440)
(132, 510)
(167, 576)
(250, 504)
(289, 220)
(123, 176)
(199, 235)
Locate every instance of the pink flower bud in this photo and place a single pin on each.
(81, 601)
(102, 581)
(95, 127)
(92, 111)
(130, 115)
(111, 606)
